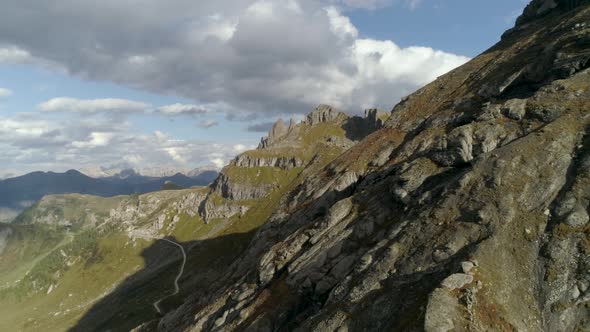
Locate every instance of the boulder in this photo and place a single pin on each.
(514, 109)
(457, 280)
(578, 217)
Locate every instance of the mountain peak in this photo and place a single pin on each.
(324, 113)
(73, 172)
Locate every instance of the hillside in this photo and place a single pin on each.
(18, 193)
(93, 263)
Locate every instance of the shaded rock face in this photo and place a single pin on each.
(357, 127)
(374, 118)
(474, 217)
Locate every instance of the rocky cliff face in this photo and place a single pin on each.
(279, 129)
(282, 162)
(324, 113)
(467, 212)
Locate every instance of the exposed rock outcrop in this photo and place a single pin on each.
(233, 190)
(249, 161)
(279, 129)
(324, 113)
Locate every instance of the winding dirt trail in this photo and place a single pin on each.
(144, 235)
(176, 286)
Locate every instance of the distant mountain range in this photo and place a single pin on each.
(20, 192)
(123, 170)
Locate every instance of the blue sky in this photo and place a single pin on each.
(183, 85)
(466, 27)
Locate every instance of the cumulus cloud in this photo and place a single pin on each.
(5, 93)
(64, 104)
(218, 162)
(249, 56)
(95, 139)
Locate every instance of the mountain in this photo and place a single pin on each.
(93, 247)
(154, 172)
(465, 210)
(21, 192)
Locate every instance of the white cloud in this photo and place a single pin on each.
(5, 93)
(177, 154)
(30, 144)
(218, 162)
(64, 104)
(341, 25)
(239, 148)
(96, 139)
(235, 56)
(14, 55)
(160, 136)
(177, 109)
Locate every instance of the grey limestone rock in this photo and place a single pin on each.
(457, 280)
(324, 113)
(578, 217)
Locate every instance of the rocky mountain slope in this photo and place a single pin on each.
(467, 212)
